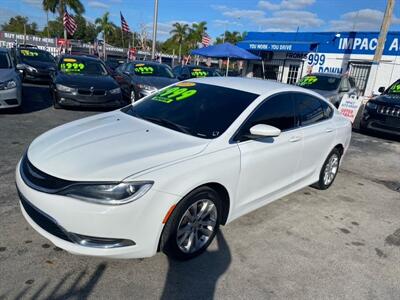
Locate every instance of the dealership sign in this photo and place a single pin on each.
(349, 106)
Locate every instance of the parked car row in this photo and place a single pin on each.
(83, 80)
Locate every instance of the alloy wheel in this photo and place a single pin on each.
(331, 169)
(196, 226)
(133, 98)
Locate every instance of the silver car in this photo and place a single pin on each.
(10, 82)
(331, 86)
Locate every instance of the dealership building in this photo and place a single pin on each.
(287, 56)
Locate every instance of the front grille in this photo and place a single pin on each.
(39, 180)
(11, 101)
(42, 220)
(89, 92)
(389, 110)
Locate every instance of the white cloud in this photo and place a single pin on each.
(98, 4)
(285, 4)
(164, 28)
(238, 13)
(35, 3)
(363, 19)
(223, 23)
(288, 20)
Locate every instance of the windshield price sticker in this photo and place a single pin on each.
(395, 88)
(199, 73)
(308, 80)
(174, 94)
(142, 69)
(72, 67)
(29, 53)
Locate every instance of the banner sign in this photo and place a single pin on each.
(349, 106)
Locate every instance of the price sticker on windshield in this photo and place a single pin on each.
(71, 67)
(29, 53)
(141, 69)
(308, 80)
(175, 93)
(395, 88)
(199, 73)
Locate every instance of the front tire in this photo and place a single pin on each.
(193, 225)
(329, 170)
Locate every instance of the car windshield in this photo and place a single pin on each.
(81, 66)
(197, 109)
(5, 62)
(316, 82)
(197, 72)
(36, 55)
(158, 70)
(394, 89)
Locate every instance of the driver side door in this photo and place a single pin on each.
(268, 165)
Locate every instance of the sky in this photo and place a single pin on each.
(232, 15)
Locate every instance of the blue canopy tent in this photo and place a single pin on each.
(225, 50)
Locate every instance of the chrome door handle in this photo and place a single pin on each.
(294, 139)
(329, 130)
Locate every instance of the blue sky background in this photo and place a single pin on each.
(240, 15)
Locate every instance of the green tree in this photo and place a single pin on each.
(16, 24)
(85, 30)
(105, 26)
(196, 33)
(231, 37)
(59, 6)
(179, 34)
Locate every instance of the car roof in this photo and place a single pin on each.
(80, 57)
(147, 62)
(251, 85)
(32, 49)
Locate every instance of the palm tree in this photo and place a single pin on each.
(196, 32)
(60, 6)
(106, 27)
(179, 34)
(230, 36)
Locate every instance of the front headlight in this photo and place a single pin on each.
(147, 87)
(371, 105)
(30, 68)
(108, 193)
(8, 85)
(115, 91)
(63, 88)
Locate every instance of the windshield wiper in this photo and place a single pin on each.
(166, 123)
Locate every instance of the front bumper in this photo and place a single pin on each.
(39, 76)
(139, 221)
(371, 120)
(10, 98)
(77, 100)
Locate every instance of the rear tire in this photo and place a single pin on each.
(329, 170)
(193, 225)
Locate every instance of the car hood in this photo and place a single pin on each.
(387, 99)
(109, 147)
(86, 81)
(7, 74)
(42, 65)
(158, 82)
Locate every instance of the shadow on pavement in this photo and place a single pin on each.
(379, 135)
(197, 278)
(77, 288)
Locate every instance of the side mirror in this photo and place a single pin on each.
(20, 67)
(263, 130)
(381, 89)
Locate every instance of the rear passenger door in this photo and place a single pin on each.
(315, 119)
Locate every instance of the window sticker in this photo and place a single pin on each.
(186, 84)
(174, 93)
(395, 88)
(25, 52)
(199, 73)
(308, 80)
(71, 67)
(142, 69)
(69, 60)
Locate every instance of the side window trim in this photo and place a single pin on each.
(298, 118)
(234, 137)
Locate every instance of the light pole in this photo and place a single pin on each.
(153, 46)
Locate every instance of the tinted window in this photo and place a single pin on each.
(277, 111)
(311, 110)
(5, 62)
(320, 82)
(145, 69)
(328, 111)
(197, 109)
(81, 66)
(345, 86)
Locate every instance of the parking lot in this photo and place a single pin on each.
(340, 243)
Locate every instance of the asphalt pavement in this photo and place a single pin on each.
(343, 243)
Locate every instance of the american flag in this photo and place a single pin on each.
(69, 23)
(124, 24)
(206, 40)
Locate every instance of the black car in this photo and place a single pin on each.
(382, 113)
(35, 64)
(114, 63)
(142, 78)
(82, 81)
(190, 71)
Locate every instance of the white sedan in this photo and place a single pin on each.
(164, 173)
